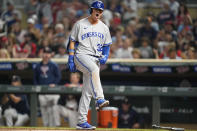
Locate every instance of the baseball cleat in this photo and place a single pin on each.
(85, 126)
(100, 103)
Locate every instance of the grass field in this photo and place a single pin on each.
(72, 129)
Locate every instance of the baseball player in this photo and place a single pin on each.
(89, 47)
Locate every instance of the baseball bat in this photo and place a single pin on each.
(168, 128)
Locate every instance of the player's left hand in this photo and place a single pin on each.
(103, 59)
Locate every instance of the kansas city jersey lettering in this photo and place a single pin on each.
(92, 34)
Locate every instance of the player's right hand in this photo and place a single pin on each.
(71, 64)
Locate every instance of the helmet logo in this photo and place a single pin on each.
(99, 5)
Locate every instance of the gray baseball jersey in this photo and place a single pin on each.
(91, 38)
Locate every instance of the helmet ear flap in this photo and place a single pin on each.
(90, 10)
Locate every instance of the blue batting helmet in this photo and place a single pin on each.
(97, 5)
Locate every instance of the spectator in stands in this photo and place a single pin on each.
(190, 53)
(146, 49)
(165, 49)
(29, 45)
(130, 8)
(114, 6)
(59, 29)
(131, 31)
(18, 112)
(47, 73)
(74, 80)
(44, 42)
(61, 52)
(172, 54)
(66, 24)
(11, 15)
(194, 30)
(55, 7)
(44, 11)
(48, 33)
(186, 40)
(80, 9)
(36, 24)
(186, 26)
(33, 30)
(155, 53)
(165, 15)
(147, 30)
(127, 117)
(182, 14)
(67, 104)
(174, 7)
(63, 12)
(4, 53)
(4, 42)
(136, 53)
(163, 40)
(18, 32)
(31, 7)
(116, 20)
(113, 49)
(107, 16)
(125, 51)
(119, 36)
(16, 50)
(169, 29)
(154, 22)
(58, 41)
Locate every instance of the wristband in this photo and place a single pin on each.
(71, 50)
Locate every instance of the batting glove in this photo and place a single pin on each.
(103, 60)
(71, 64)
(105, 54)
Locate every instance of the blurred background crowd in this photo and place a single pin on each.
(170, 33)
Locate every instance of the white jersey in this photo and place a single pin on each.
(91, 38)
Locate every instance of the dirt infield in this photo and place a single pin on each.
(72, 129)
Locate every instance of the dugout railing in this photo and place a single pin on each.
(154, 92)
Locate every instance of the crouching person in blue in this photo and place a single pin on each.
(17, 114)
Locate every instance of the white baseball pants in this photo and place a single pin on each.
(61, 111)
(1, 117)
(90, 67)
(46, 106)
(11, 114)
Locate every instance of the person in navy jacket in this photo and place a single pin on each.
(128, 117)
(47, 73)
